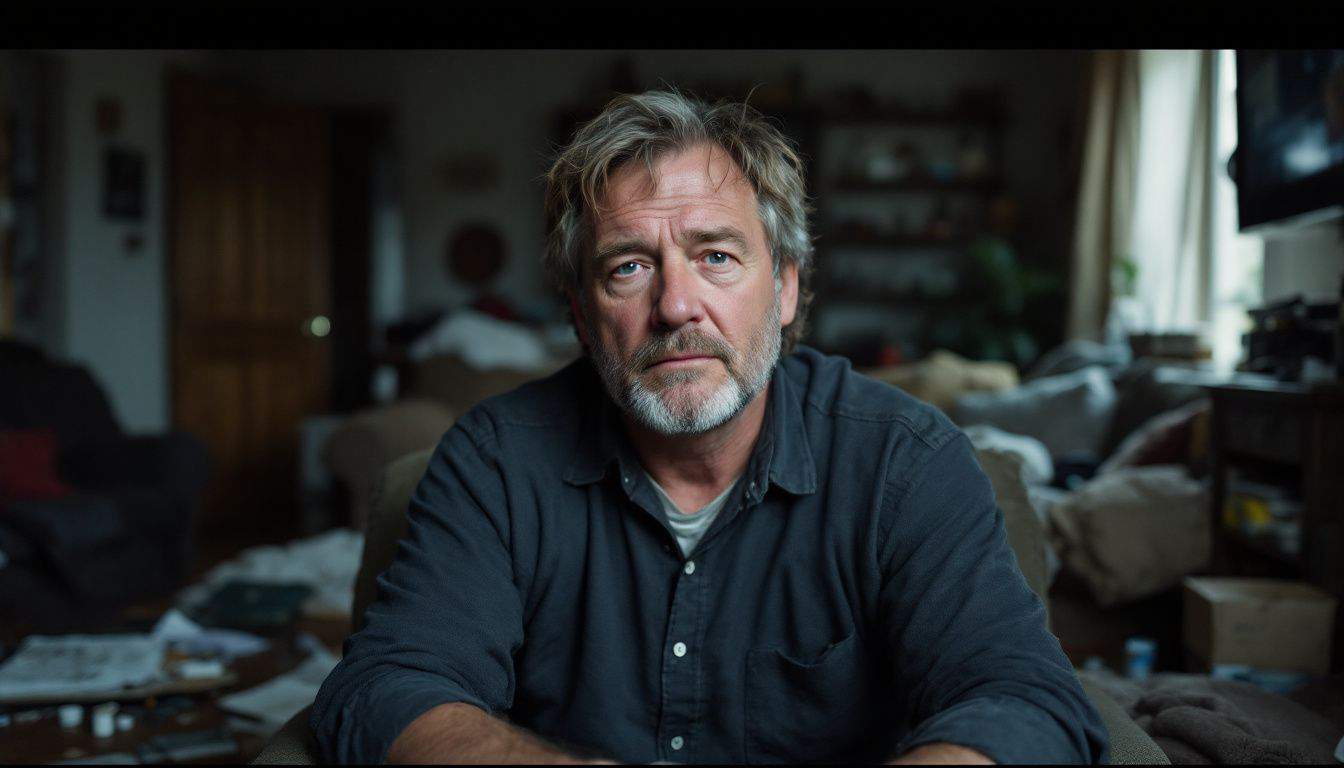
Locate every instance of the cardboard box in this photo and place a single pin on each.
(1263, 623)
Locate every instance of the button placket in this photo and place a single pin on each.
(680, 669)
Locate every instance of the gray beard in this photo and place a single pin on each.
(654, 409)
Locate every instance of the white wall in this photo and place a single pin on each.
(1308, 262)
(114, 303)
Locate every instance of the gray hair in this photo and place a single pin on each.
(645, 127)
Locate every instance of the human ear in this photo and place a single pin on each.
(788, 297)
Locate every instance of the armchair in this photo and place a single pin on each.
(122, 533)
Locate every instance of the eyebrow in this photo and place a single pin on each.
(725, 234)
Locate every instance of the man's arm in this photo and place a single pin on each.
(461, 733)
(941, 754)
(447, 621)
(973, 658)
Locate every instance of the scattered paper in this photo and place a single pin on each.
(80, 664)
(174, 625)
(186, 636)
(328, 562)
(192, 669)
(271, 704)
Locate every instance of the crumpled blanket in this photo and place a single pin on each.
(1199, 720)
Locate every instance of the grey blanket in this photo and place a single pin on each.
(1195, 719)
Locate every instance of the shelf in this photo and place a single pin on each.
(892, 241)
(895, 300)
(895, 118)
(1235, 456)
(1263, 547)
(978, 187)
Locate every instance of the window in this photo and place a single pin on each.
(1237, 258)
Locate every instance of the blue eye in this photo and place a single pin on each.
(717, 258)
(622, 270)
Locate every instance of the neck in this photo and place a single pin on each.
(694, 469)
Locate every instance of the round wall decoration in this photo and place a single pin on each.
(476, 253)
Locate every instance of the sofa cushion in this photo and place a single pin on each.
(359, 450)
(1077, 354)
(458, 385)
(943, 376)
(28, 465)
(386, 525)
(1026, 535)
(1037, 469)
(1143, 390)
(1133, 532)
(1069, 413)
(68, 527)
(1167, 438)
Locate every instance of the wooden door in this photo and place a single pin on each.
(249, 265)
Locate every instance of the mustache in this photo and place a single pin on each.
(679, 343)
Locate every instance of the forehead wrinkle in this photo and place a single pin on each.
(636, 182)
(693, 226)
(666, 208)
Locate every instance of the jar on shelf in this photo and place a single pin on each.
(972, 157)
(882, 163)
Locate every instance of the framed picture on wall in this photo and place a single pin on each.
(123, 184)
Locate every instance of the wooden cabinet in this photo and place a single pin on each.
(1290, 436)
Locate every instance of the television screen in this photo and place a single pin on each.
(1290, 128)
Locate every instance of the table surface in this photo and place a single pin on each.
(45, 741)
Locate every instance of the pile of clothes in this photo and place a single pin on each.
(1114, 453)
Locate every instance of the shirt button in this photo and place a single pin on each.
(690, 567)
(679, 650)
(677, 742)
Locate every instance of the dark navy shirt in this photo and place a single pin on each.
(856, 596)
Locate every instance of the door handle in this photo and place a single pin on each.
(317, 326)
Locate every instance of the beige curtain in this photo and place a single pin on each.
(1105, 188)
(1146, 194)
(1172, 231)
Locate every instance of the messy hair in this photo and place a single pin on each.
(644, 127)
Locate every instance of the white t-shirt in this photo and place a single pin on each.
(689, 528)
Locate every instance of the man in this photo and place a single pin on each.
(684, 547)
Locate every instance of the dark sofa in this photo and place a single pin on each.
(124, 531)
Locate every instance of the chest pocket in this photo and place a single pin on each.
(810, 710)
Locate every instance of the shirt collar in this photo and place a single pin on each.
(781, 455)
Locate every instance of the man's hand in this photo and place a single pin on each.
(941, 754)
(461, 733)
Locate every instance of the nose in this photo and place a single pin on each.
(678, 301)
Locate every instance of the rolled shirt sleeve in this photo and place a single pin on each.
(974, 660)
(448, 618)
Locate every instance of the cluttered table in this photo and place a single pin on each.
(216, 697)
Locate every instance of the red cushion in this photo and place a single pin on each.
(28, 465)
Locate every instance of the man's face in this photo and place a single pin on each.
(679, 303)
